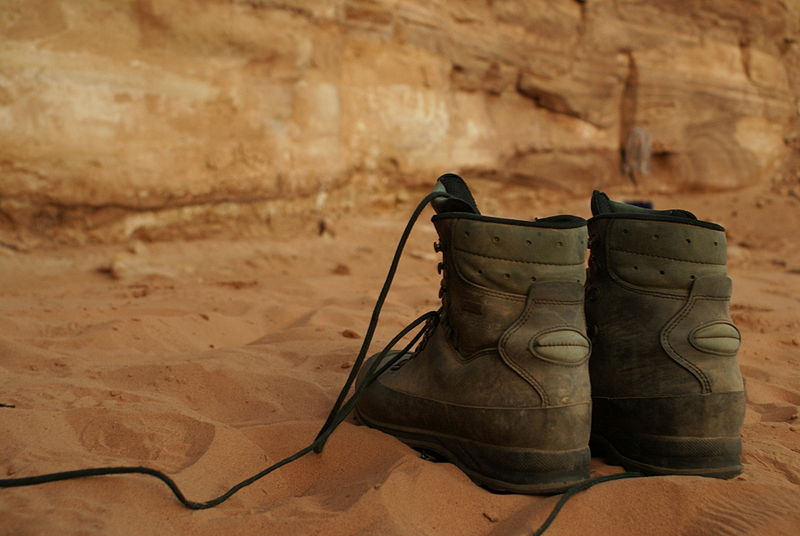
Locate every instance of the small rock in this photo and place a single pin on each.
(491, 517)
(794, 428)
(345, 365)
(350, 334)
(341, 269)
(324, 228)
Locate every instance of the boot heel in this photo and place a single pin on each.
(498, 468)
(682, 435)
(717, 457)
(519, 470)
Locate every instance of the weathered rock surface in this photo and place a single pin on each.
(143, 117)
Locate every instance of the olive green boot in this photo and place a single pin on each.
(667, 392)
(500, 384)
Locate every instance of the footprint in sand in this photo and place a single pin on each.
(240, 397)
(172, 441)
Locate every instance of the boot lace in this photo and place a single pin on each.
(341, 407)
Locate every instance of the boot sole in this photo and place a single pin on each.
(500, 469)
(665, 455)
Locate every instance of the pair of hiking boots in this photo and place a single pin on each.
(532, 358)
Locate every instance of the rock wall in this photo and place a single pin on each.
(130, 117)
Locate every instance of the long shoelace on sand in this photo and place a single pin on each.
(338, 413)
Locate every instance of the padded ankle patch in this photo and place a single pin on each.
(547, 345)
(664, 255)
(720, 338)
(561, 346)
(704, 324)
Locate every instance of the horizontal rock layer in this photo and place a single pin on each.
(122, 118)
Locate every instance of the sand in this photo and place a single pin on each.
(212, 359)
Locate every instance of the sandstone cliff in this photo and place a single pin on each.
(134, 117)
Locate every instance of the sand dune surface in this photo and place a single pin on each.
(212, 359)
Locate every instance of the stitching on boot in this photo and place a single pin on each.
(685, 363)
(501, 347)
(630, 288)
(477, 287)
(479, 407)
(624, 284)
(476, 354)
(665, 257)
(516, 260)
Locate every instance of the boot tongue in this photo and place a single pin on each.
(601, 204)
(460, 199)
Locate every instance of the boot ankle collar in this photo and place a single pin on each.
(564, 221)
(659, 217)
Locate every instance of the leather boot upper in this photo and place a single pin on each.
(657, 304)
(509, 345)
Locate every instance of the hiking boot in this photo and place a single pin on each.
(667, 392)
(499, 385)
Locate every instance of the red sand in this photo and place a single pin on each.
(210, 360)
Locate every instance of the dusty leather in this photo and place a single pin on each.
(664, 345)
(506, 365)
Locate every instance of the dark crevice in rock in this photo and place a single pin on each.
(545, 99)
(744, 53)
(628, 106)
(10, 246)
(49, 205)
(282, 6)
(552, 101)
